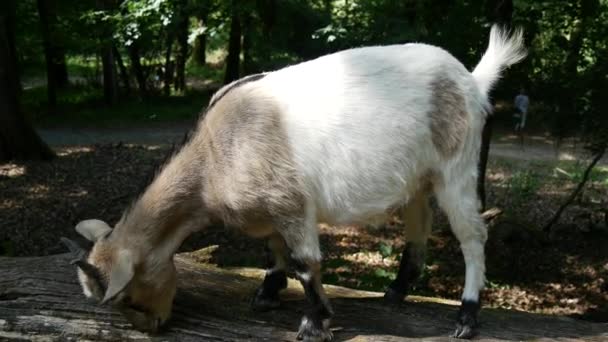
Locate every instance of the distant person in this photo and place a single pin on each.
(521, 103)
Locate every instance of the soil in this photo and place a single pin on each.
(98, 173)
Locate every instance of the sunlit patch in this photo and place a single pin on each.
(371, 259)
(66, 151)
(12, 170)
(152, 147)
(78, 193)
(496, 176)
(10, 204)
(567, 156)
(38, 191)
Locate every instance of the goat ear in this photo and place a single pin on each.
(120, 276)
(93, 230)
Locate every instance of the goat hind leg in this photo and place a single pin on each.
(462, 207)
(417, 216)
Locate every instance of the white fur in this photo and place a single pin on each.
(359, 129)
(502, 52)
(343, 108)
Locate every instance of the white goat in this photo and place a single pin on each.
(340, 139)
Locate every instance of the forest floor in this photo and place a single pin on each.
(98, 171)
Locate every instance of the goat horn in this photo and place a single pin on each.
(79, 260)
(78, 252)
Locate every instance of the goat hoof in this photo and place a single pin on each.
(467, 320)
(311, 332)
(393, 297)
(261, 302)
(464, 331)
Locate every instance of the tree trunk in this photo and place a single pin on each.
(182, 46)
(51, 77)
(110, 80)
(18, 140)
(501, 12)
(234, 46)
(199, 52)
(53, 48)
(40, 299)
(124, 75)
(137, 69)
(248, 67)
(169, 66)
(267, 12)
(60, 66)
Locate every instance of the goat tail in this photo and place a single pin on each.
(504, 50)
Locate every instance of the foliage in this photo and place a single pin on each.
(565, 72)
(524, 184)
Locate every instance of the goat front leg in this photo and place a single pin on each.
(315, 323)
(267, 295)
(302, 239)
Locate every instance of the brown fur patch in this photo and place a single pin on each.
(250, 178)
(449, 119)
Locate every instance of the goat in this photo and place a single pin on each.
(340, 139)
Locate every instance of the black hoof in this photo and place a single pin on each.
(467, 320)
(260, 302)
(393, 297)
(314, 332)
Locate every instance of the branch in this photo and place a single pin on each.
(576, 191)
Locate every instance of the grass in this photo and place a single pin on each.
(81, 105)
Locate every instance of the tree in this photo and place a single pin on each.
(199, 51)
(234, 45)
(110, 77)
(49, 53)
(18, 140)
(138, 70)
(54, 54)
(181, 13)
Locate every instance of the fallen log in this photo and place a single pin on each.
(40, 300)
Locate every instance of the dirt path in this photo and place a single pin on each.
(535, 148)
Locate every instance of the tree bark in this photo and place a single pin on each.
(40, 298)
(138, 69)
(169, 66)
(248, 67)
(124, 75)
(18, 139)
(45, 27)
(199, 52)
(60, 65)
(110, 80)
(54, 51)
(182, 46)
(234, 46)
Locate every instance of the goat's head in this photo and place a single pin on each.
(114, 272)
